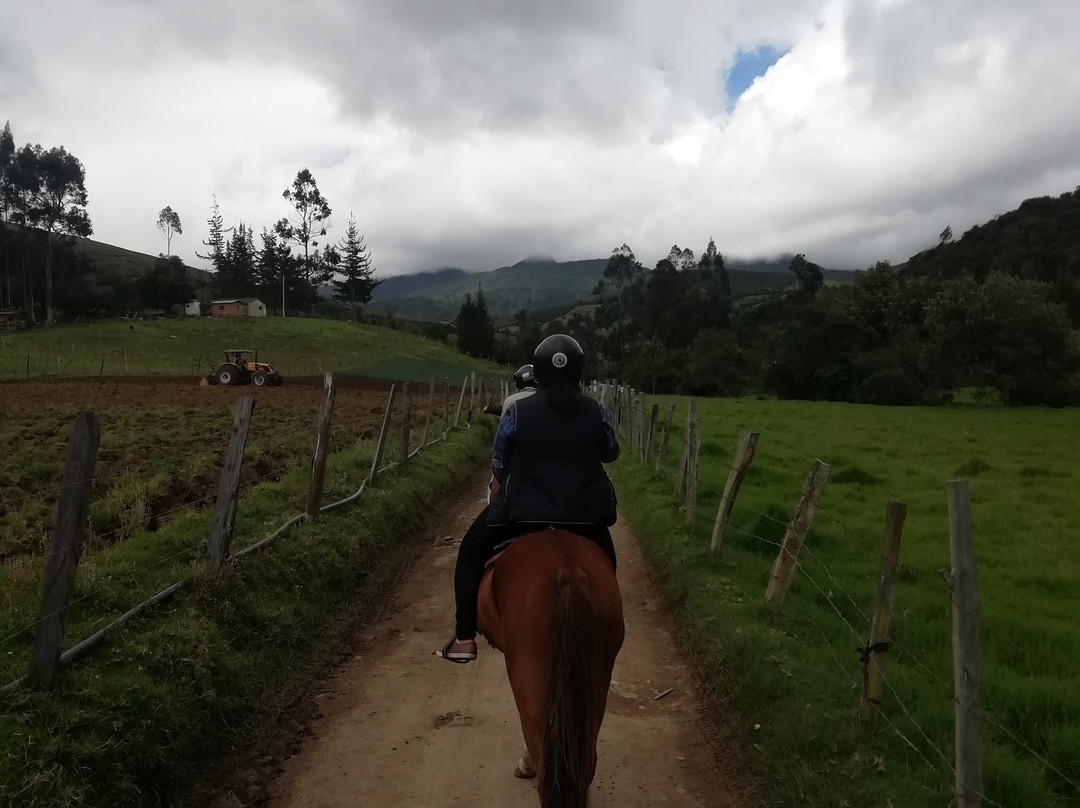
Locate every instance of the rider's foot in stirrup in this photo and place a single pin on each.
(458, 650)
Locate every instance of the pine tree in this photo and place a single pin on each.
(475, 330)
(358, 283)
(215, 244)
(713, 262)
(237, 273)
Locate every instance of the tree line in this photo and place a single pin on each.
(43, 203)
(995, 311)
(271, 270)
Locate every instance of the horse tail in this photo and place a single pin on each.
(571, 697)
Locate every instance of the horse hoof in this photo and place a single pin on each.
(524, 772)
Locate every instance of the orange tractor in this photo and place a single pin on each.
(236, 369)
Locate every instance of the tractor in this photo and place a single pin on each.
(236, 369)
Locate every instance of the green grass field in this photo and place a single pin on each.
(788, 680)
(296, 346)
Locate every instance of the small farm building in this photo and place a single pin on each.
(238, 307)
(193, 309)
(12, 320)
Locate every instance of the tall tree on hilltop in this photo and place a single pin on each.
(7, 159)
(62, 205)
(215, 242)
(311, 211)
(358, 283)
(168, 222)
(21, 199)
(625, 275)
(712, 262)
(681, 259)
(475, 330)
(807, 274)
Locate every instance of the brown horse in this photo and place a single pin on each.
(551, 603)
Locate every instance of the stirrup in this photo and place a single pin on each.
(460, 657)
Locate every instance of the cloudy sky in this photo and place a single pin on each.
(473, 133)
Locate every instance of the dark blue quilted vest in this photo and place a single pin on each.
(556, 472)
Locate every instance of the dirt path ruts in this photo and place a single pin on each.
(401, 727)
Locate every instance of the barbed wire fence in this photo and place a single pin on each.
(178, 565)
(646, 439)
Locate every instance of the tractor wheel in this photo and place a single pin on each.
(259, 379)
(228, 374)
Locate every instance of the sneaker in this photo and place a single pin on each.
(460, 651)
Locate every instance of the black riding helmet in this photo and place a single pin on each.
(559, 355)
(524, 377)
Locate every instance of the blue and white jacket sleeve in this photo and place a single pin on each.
(612, 450)
(504, 437)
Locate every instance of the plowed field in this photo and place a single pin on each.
(163, 442)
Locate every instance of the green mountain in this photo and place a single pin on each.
(542, 284)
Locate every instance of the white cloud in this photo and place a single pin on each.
(475, 133)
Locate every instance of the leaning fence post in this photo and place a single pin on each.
(229, 487)
(64, 548)
(318, 456)
(375, 461)
(965, 611)
(797, 529)
(461, 398)
(665, 439)
(688, 433)
(744, 455)
(472, 392)
(446, 407)
(430, 404)
(881, 617)
(691, 477)
(406, 411)
(652, 433)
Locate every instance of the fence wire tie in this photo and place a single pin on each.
(865, 652)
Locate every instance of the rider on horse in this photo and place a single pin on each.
(548, 460)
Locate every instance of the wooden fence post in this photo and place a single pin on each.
(744, 456)
(406, 409)
(881, 617)
(650, 443)
(318, 456)
(691, 478)
(688, 434)
(642, 436)
(64, 548)
(461, 398)
(784, 566)
(446, 407)
(430, 404)
(382, 437)
(228, 487)
(965, 612)
(665, 439)
(472, 392)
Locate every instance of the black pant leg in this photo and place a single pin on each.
(477, 546)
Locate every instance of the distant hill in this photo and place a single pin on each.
(1040, 240)
(126, 263)
(542, 284)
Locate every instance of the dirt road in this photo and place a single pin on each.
(401, 727)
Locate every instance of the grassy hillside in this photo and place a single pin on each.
(789, 678)
(296, 346)
(127, 263)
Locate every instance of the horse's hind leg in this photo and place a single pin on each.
(526, 769)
